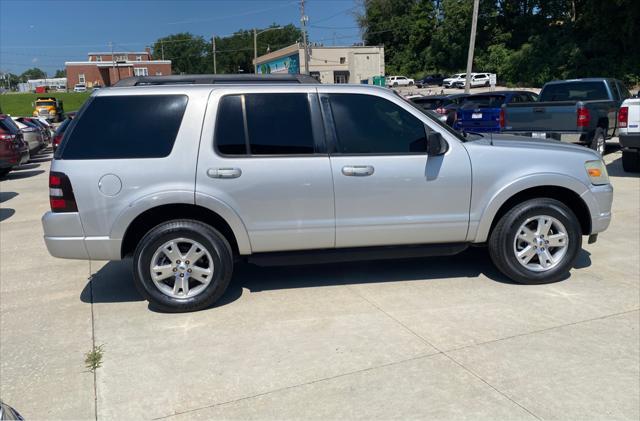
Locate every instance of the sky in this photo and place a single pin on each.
(45, 34)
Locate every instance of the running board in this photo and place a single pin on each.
(310, 257)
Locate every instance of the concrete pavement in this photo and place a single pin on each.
(441, 338)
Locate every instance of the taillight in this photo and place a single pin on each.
(7, 137)
(583, 117)
(623, 116)
(502, 119)
(57, 140)
(61, 195)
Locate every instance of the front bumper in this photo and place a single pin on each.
(599, 200)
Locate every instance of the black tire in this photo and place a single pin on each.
(631, 161)
(4, 172)
(395, 84)
(214, 242)
(410, 83)
(598, 142)
(501, 242)
(487, 84)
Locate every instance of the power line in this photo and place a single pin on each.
(253, 12)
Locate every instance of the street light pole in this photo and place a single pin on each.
(255, 45)
(472, 43)
(303, 20)
(213, 50)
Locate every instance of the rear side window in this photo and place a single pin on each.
(574, 91)
(276, 124)
(7, 125)
(367, 124)
(115, 127)
(484, 101)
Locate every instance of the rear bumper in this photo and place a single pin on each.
(599, 200)
(64, 238)
(630, 141)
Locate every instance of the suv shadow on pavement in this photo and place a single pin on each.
(114, 281)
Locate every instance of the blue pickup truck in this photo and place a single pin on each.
(481, 112)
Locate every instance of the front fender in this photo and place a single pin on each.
(488, 208)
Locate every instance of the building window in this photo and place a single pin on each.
(98, 58)
(81, 78)
(342, 60)
(121, 58)
(158, 73)
(138, 58)
(140, 71)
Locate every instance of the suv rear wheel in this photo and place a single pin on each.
(536, 242)
(598, 143)
(182, 265)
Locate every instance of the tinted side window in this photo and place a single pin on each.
(277, 124)
(367, 124)
(230, 136)
(113, 127)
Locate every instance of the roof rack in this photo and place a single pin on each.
(214, 79)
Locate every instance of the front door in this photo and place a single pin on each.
(387, 190)
(264, 160)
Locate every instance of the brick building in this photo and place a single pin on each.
(105, 69)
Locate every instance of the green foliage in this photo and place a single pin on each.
(19, 104)
(93, 358)
(191, 54)
(61, 73)
(33, 73)
(527, 42)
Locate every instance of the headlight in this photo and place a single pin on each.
(597, 172)
(52, 112)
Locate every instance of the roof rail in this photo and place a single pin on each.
(214, 79)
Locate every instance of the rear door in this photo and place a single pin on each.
(387, 190)
(262, 154)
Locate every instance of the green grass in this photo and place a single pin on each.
(19, 104)
(93, 358)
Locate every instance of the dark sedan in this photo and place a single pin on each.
(431, 80)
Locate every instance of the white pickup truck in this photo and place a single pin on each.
(629, 134)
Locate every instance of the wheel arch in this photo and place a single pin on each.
(568, 192)
(155, 216)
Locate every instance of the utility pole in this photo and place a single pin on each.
(255, 51)
(162, 48)
(303, 20)
(213, 50)
(113, 63)
(472, 44)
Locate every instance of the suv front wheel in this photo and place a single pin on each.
(536, 242)
(182, 265)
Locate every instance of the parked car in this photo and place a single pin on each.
(33, 122)
(431, 80)
(451, 80)
(445, 106)
(186, 190)
(13, 149)
(393, 81)
(477, 80)
(480, 113)
(59, 134)
(32, 135)
(629, 125)
(80, 87)
(576, 110)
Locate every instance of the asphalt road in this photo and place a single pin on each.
(438, 338)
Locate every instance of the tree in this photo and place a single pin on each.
(61, 73)
(33, 73)
(186, 51)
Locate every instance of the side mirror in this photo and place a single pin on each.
(436, 145)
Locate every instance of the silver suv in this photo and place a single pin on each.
(187, 179)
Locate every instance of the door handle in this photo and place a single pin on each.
(357, 170)
(224, 172)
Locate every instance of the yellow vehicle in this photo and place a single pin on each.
(49, 108)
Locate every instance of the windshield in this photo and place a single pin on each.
(429, 103)
(45, 104)
(458, 75)
(574, 91)
(484, 101)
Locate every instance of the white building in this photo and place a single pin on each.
(354, 64)
(51, 82)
